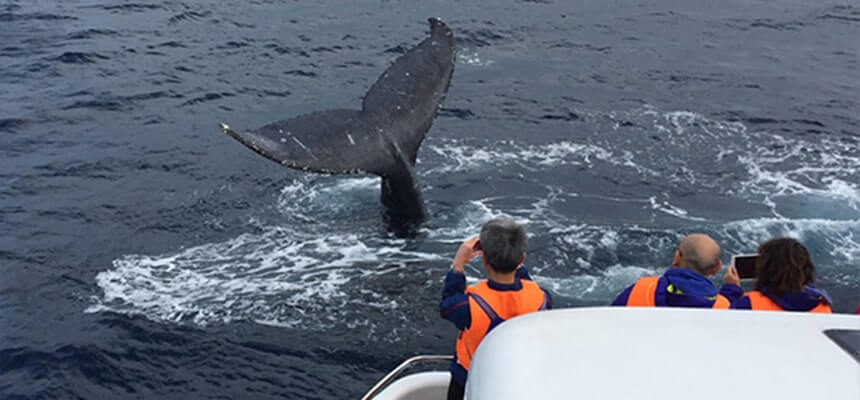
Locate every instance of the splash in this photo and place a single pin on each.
(304, 270)
(472, 58)
(278, 275)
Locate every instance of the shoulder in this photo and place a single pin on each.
(481, 285)
(649, 282)
(529, 284)
(753, 294)
(532, 286)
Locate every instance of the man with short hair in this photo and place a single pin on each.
(507, 292)
(686, 283)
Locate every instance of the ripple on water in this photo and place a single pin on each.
(78, 57)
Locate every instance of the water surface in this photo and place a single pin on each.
(146, 255)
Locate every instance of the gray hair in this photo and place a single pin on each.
(503, 242)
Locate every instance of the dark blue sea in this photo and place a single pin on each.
(145, 255)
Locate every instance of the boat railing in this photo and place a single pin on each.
(387, 379)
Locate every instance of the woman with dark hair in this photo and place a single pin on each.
(784, 277)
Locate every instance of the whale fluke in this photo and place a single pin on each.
(382, 138)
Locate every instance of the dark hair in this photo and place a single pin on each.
(783, 266)
(503, 242)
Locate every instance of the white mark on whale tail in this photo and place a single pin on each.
(299, 142)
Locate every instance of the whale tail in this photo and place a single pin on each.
(382, 138)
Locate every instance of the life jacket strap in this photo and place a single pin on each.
(543, 304)
(487, 309)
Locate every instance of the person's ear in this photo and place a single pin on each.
(717, 267)
(676, 259)
(522, 260)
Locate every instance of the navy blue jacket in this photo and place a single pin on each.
(689, 289)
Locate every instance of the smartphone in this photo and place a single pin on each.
(745, 264)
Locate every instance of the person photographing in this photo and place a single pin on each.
(685, 283)
(507, 292)
(784, 275)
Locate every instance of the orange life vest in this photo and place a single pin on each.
(645, 289)
(488, 308)
(759, 301)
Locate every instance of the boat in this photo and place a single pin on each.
(651, 353)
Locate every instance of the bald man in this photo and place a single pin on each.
(686, 283)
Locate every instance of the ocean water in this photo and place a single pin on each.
(143, 254)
